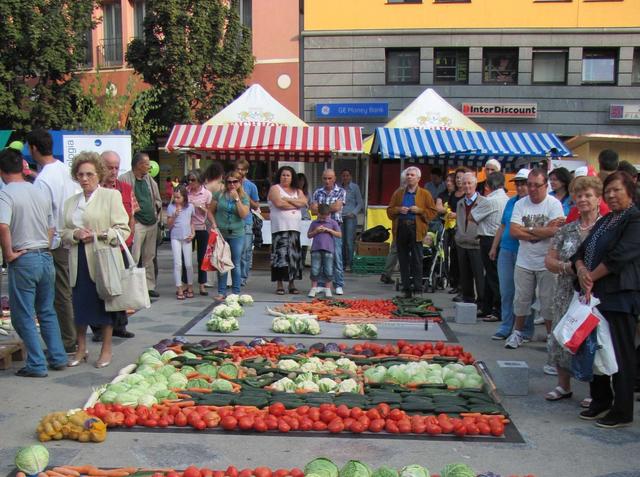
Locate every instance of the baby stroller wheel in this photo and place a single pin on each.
(397, 285)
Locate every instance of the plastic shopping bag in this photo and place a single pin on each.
(206, 261)
(582, 361)
(605, 359)
(577, 323)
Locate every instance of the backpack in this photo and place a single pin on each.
(379, 233)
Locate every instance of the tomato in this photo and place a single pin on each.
(295, 472)
(228, 423)
(120, 407)
(356, 412)
(208, 472)
(271, 422)
(172, 474)
(283, 426)
(396, 414)
(277, 409)
(446, 427)
(262, 472)
(404, 426)
(191, 471)
(343, 411)
(245, 473)
(150, 423)
(245, 423)
(391, 426)
(99, 410)
(200, 425)
(327, 416)
(281, 473)
(433, 429)
(336, 426)
(325, 406)
(302, 410)
(497, 429)
(130, 421)
(357, 427)
(163, 422)
(373, 414)
(218, 473)
(418, 427)
(142, 411)
(384, 409)
(439, 345)
(306, 424)
(484, 428)
(180, 420)
(314, 414)
(319, 426)
(376, 425)
(231, 471)
(460, 430)
(472, 429)
(364, 420)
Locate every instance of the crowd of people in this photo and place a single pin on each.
(559, 234)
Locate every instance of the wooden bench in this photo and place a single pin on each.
(11, 351)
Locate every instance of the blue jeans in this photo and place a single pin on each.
(236, 245)
(247, 252)
(321, 265)
(338, 271)
(349, 225)
(32, 288)
(506, 267)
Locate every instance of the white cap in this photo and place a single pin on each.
(522, 175)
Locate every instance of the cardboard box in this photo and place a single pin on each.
(372, 249)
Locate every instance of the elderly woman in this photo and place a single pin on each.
(230, 207)
(608, 266)
(285, 202)
(200, 198)
(96, 212)
(559, 180)
(586, 192)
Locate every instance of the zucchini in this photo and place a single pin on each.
(417, 407)
(216, 399)
(452, 409)
(256, 401)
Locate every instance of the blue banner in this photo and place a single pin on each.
(352, 110)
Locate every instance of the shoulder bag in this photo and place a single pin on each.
(134, 281)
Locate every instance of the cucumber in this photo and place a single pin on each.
(417, 407)
(256, 401)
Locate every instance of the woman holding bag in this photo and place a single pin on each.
(608, 265)
(94, 213)
(229, 208)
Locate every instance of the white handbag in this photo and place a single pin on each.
(135, 294)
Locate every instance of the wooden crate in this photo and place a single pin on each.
(372, 249)
(11, 351)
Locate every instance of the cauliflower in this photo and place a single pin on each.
(313, 328)
(347, 365)
(245, 300)
(348, 386)
(220, 310)
(308, 386)
(366, 330)
(281, 325)
(222, 324)
(327, 385)
(328, 366)
(313, 365)
(231, 299)
(288, 365)
(235, 310)
(284, 384)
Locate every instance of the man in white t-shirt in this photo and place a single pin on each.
(536, 218)
(55, 181)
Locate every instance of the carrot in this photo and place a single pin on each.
(130, 470)
(470, 414)
(411, 357)
(186, 403)
(116, 473)
(235, 387)
(66, 471)
(53, 473)
(225, 376)
(200, 390)
(82, 469)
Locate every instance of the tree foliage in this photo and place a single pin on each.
(195, 54)
(41, 44)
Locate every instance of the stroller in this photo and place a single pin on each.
(434, 263)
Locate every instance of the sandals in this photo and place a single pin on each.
(189, 294)
(280, 291)
(294, 291)
(179, 296)
(585, 403)
(557, 394)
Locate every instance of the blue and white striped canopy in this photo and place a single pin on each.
(468, 148)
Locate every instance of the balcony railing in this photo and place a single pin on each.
(110, 52)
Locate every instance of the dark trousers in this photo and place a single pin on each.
(492, 302)
(409, 256)
(623, 330)
(62, 302)
(451, 255)
(201, 239)
(120, 319)
(471, 272)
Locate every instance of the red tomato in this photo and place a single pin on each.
(231, 471)
(191, 471)
(262, 472)
(228, 423)
(283, 426)
(472, 429)
(295, 472)
(364, 420)
(484, 428)
(343, 411)
(306, 424)
(396, 414)
(271, 422)
(172, 474)
(245, 473)
(460, 430)
(384, 409)
(208, 472)
(245, 423)
(180, 420)
(281, 473)
(404, 426)
(356, 412)
(200, 425)
(336, 426)
(327, 416)
(357, 427)
(302, 410)
(391, 426)
(277, 409)
(433, 429)
(319, 426)
(327, 407)
(162, 422)
(373, 414)
(376, 425)
(259, 425)
(218, 473)
(130, 421)
(314, 414)
(497, 429)
(418, 427)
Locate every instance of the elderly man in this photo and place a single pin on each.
(536, 218)
(411, 209)
(55, 181)
(353, 205)
(335, 197)
(487, 215)
(491, 166)
(146, 229)
(468, 244)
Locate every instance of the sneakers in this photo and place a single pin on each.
(312, 293)
(608, 422)
(328, 294)
(550, 370)
(514, 341)
(593, 414)
(538, 321)
(498, 337)
(339, 291)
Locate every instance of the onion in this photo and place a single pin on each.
(222, 344)
(241, 343)
(277, 340)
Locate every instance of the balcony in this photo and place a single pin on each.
(110, 53)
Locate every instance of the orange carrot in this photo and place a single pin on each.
(66, 471)
(199, 390)
(185, 403)
(52, 473)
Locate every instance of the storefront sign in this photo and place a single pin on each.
(624, 112)
(501, 110)
(352, 110)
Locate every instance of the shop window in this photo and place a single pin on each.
(635, 76)
(500, 65)
(451, 66)
(403, 66)
(599, 66)
(550, 66)
(139, 11)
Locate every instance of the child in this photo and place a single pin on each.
(322, 230)
(179, 214)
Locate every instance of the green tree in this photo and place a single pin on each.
(41, 45)
(195, 54)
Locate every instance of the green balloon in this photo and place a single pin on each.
(16, 145)
(154, 169)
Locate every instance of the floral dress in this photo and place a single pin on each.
(566, 242)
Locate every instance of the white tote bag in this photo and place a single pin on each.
(135, 294)
(605, 361)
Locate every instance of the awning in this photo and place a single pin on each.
(267, 141)
(465, 148)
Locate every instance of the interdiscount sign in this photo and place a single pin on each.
(500, 110)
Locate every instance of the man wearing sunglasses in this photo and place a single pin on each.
(536, 218)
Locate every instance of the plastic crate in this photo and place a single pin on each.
(368, 264)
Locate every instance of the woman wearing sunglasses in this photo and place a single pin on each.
(229, 207)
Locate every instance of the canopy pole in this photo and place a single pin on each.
(365, 163)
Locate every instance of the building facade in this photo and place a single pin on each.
(564, 66)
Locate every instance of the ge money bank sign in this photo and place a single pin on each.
(73, 144)
(501, 110)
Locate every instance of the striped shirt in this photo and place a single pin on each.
(488, 212)
(321, 196)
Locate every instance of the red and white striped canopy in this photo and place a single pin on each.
(264, 141)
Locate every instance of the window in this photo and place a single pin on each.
(140, 10)
(451, 65)
(246, 13)
(404, 1)
(635, 75)
(403, 66)
(500, 65)
(112, 42)
(550, 66)
(599, 65)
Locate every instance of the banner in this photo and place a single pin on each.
(73, 144)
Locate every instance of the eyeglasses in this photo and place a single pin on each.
(89, 175)
(233, 182)
(531, 185)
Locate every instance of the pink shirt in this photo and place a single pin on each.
(200, 198)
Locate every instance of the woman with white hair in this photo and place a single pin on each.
(491, 166)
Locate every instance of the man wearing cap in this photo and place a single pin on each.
(55, 181)
(536, 218)
(487, 215)
(491, 166)
(505, 249)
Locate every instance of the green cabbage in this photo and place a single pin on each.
(355, 468)
(168, 356)
(221, 385)
(399, 374)
(453, 383)
(156, 378)
(208, 369)
(127, 399)
(376, 374)
(167, 370)
(414, 471)
(145, 370)
(385, 471)
(366, 330)
(187, 370)
(118, 388)
(108, 397)
(33, 459)
(198, 383)
(151, 357)
(457, 470)
(348, 386)
(177, 381)
(299, 326)
(133, 379)
(322, 467)
(147, 400)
